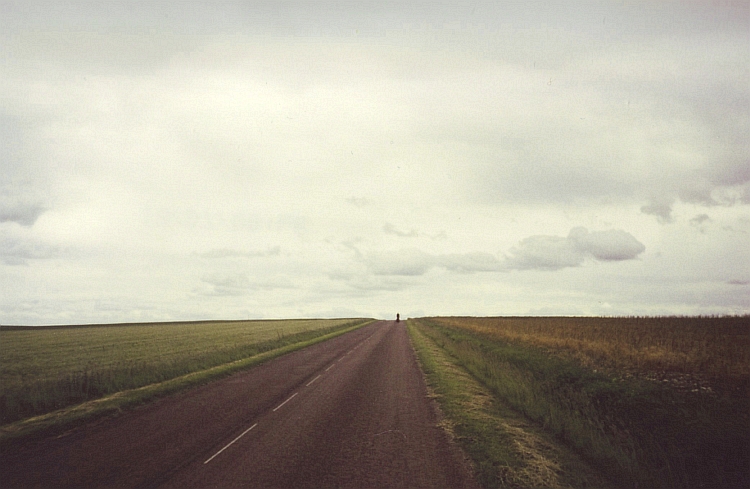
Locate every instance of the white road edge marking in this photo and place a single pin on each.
(313, 380)
(230, 443)
(290, 398)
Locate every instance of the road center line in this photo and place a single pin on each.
(290, 398)
(230, 443)
(313, 380)
(329, 368)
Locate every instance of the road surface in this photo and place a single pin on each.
(349, 412)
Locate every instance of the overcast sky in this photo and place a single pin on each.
(231, 160)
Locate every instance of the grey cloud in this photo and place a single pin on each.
(389, 228)
(544, 253)
(410, 262)
(555, 253)
(363, 283)
(745, 194)
(358, 201)
(23, 213)
(413, 262)
(239, 283)
(612, 245)
(532, 253)
(16, 251)
(470, 262)
(228, 284)
(662, 209)
(699, 222)
(700, 219)
(219, 253)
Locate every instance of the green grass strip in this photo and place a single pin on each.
(506, 450)
(67, 418)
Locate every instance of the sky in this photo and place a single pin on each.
(166, 161)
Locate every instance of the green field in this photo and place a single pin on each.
(43, 369)
(647, 402)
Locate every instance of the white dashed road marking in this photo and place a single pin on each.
(230, 443)
(313, 380)
(290, 398)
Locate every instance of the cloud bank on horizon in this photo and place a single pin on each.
(312, 159)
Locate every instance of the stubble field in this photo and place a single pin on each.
(649, 402)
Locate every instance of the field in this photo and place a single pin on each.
(649, 402)
(43, 369)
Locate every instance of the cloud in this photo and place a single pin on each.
(532, 253)
(661, 208)
(21, 200)
(700, 219)
(612, 245)
(413, 262)
(23, 213)
(17, 251)
(555, 253)
(239, 283)
(218, 253)
(358, 201)
(409, 262)
(470, 262)
(227, 284)
(389, 228)
(544, 253)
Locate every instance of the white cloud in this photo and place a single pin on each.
(554, 252)
(210, 162)
(532, 253)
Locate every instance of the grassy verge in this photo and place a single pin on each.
(506, 450)
(639, 433)
(72, 415)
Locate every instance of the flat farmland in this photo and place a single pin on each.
(47, 368)
(648, 402)
(351, 411)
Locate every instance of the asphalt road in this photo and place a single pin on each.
(349, 412)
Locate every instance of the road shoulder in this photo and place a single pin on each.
(506, 450)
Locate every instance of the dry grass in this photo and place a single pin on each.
(592, 383)
(707, 348)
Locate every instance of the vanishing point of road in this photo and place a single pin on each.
(352, 411)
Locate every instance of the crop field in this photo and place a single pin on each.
(47, 368)
(650, 402)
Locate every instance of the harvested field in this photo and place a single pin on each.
(651, 402)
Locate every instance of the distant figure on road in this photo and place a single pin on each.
(398, 317)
